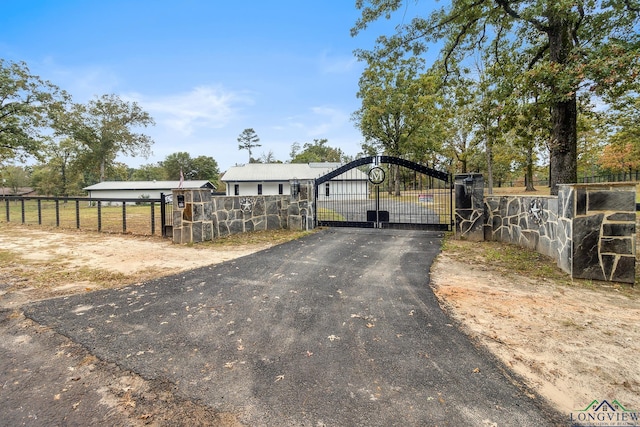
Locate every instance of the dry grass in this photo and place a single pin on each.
(272, 237)
(18, 270)
(513, 260)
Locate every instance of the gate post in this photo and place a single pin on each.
(192, 215)
(469, 203)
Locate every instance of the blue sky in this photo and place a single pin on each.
(205, 70)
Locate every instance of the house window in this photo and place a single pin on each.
(280, 188)
(326, 189)
(259, 189)
(236, 190)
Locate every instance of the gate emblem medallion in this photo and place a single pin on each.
(376, 175)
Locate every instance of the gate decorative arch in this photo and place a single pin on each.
(384, 192)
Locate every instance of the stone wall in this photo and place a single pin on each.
(192, 219)
(203, 217)
(529, 222)
(589, 229)
(604, 230)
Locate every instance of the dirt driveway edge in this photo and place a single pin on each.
(81, 389)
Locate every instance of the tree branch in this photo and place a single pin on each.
(631, 7)
(538, 55)
(504, 4)
(574, 30)
(461, 34)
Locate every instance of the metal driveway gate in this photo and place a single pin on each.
(384, 192)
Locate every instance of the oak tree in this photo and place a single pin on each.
(26, 103)
(201, 167)
(106, 127)
(316, 151)
(397, 102)
(568, 45)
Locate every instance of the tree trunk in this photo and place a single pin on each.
(528, 178)
(563, 163)
(65, 185)
(102, 168)
(489, 146)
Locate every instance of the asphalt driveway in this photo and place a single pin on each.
(339, 328)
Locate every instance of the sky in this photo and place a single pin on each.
(205, 70)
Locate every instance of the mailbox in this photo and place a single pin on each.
(181, 201)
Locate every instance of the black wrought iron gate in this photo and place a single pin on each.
(384, 192)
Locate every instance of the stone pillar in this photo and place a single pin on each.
(603, 230)
(192, 215)
(307, 196)
(469, 205)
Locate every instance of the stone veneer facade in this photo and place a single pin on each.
(589, 229)
(469, 213)
(203, 217)
(603, 230)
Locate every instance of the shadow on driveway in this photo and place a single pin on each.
(339, 328)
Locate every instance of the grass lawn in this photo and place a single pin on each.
(137, 217)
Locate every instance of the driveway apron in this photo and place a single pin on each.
(339, 328)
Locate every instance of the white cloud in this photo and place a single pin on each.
(336, 64)
(330, 119)
(203, 107)
(319, 122)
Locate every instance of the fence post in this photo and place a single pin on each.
(153, 218)
(39, 212)
(99, 215)
(6, 202)
(124, 217)
(163, 214)
(57, 213)
(78, 213)
(22, 209)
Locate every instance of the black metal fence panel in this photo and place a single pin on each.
(109, 215)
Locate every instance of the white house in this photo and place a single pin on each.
(276, 178)
(140, 189)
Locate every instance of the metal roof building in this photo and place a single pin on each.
(265, 172)
(275, 178)
(141, 189)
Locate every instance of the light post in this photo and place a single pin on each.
(295, 186)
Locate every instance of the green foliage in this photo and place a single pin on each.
(26, 104)
(561, 49)
(103, 129)
(397, 103)
(150, 172)
(201, 167)
(14, 177)
(60, 172)
(316, 151)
